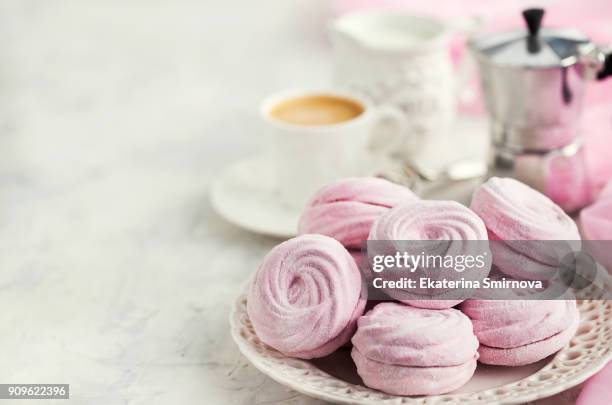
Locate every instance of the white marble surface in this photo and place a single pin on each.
(115, 275)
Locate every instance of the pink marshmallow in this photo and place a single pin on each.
(402, 335)
(406, 380)
(306, 296)
(514, 212)
(510, 324)
(445, 221)
(358, 256)
(429, 220)
(346, 209)
(532, 352)
(518, 265)
(403, 350)
(432, 304)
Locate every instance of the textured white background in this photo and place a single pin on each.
(115, 275)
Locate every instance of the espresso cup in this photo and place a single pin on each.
(318, 136)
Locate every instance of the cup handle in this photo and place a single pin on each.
(388, 132)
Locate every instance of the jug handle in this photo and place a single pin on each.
(597, 59)
(607, 66)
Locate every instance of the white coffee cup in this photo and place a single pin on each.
(306, 157)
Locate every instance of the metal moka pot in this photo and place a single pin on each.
(533, 81)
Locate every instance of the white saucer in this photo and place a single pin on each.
(244, 195)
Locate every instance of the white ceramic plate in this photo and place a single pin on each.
(334, 378)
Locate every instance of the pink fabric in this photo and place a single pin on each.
(305, 297)
(346, 209)
(596, 226)
(567, 181)
(597, 132)
(597, 390)
(532, 352)
(607, 191)
(596, 220)
(403, 350)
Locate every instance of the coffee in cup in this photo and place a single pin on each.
(316, 137)
(316, 110)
